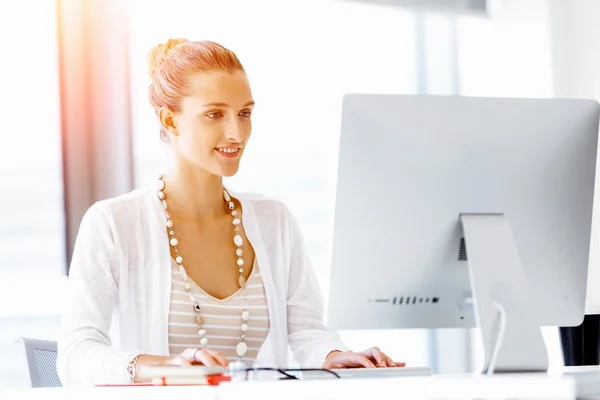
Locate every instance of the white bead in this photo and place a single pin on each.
(241, 281)
(239, 252)
(241, 349)
(202, 332)
(183, 273)
(161, 195)
(231, 205)
(164, 204)
(243, 337)
(241, 270)
(236, 221)
(234, 213)
(169, 224)
(174, 242)
(226, 196)
(179, 259)
(204, 341)
(240, 262)
(244, 327)
(237, 239)
(187, 286)
(161, 184)
(245, 315)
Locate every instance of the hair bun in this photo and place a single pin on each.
(157, 54)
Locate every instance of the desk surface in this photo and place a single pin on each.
(104, 393)
(434, 387)
(522, 386)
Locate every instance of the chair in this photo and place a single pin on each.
(41, 362)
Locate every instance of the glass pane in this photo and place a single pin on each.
(32, 242)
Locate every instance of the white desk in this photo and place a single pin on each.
(418, 388)
(587, 380)
(115, 393)
(434, 387)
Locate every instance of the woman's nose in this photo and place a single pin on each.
(235, 131)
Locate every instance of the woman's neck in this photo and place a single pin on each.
(194, 193)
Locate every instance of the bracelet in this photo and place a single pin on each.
(131, 368)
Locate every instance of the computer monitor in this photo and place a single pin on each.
(464, 212)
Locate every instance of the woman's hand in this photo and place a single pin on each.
(207, 357)
(371, 358)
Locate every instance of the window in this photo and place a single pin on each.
(32, 244)
(508, 55)
(301, 58)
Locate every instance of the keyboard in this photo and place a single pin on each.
(358, 373)
(350, 373)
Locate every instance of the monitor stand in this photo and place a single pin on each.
(499, 285)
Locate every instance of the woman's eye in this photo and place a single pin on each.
(246, 114)
(214, 114)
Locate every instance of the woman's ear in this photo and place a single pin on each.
(167, 120)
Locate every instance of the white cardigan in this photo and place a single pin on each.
(120, 280)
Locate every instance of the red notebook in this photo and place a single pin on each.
(211, 380)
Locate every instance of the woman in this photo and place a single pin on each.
(187, 271)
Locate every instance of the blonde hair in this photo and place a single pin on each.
(171, 63)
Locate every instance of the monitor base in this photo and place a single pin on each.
(499, 286)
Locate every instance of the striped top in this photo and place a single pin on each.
(222, 318)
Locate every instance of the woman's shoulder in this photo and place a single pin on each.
(125, 208)
(127, 202)
(255, 198)
(121, 219)
(263, 206)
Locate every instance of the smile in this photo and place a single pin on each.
(228, 151)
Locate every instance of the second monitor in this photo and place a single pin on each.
(464, 212)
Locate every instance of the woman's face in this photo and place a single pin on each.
(214, 123)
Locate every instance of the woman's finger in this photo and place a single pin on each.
(388, 361)
(206, 358)
(218, 356)
(177, 361)
(361, 360)
(189, 354)
(376, 354)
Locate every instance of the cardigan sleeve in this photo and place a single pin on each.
(85, 355)
(309, 339)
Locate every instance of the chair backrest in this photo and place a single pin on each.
(41, 362)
